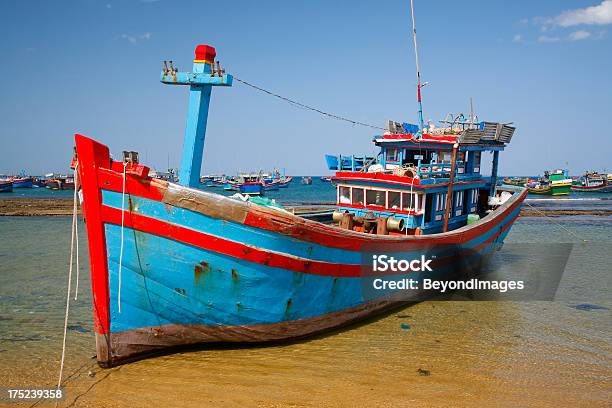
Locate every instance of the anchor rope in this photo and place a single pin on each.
(570, 232)
(76, 233)
(308, 107)
(72, 250)
(121, 246)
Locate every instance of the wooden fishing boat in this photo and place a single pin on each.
(516, 181)
(592, 182)
(172, 265)
(326, 179)
(6, 186)
(23, 182)
(554, 183)
(60, 183)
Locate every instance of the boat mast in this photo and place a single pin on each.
(418, 70)
(200, 81)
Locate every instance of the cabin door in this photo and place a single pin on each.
(428, 207)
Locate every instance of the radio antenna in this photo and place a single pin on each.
(418, 70)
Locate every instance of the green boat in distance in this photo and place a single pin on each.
(554, 183)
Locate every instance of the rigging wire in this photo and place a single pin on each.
(307, 107)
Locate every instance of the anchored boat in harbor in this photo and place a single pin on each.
(593, 182)
(173, 265)
(6, 186)
(553, 183)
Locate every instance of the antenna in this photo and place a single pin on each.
(471, 111)
(418, 70)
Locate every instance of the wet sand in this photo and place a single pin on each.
(63, 206)
(35, 206)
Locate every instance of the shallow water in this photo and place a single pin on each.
(476, 353)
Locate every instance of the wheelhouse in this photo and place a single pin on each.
(414, 175)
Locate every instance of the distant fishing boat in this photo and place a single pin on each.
(307, 180)
(326, 179)
(554, 183)
(6, 186)
(592, 182)
(23, 182)
(172, 265)
(275, 180)
(39, 182)
(60, 183)
(250, 183)
(516, 181)
(168, 175)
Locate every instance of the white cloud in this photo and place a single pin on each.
(517, 38)
(133, 39)
(579, 35)
(594, 15)
(547, 39)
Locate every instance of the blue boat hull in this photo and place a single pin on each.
(27, 183)
(251, 188)
(200, 267)
(6, 187)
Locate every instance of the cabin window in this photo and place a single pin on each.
(394, 200)
(358, 196)
(392, 155)
(375, 197)
(476, 164)
(474, 196)
(344, 195)
(441, 201)
(410, 202)
(458, 198)
(446, 157)
(460, 162)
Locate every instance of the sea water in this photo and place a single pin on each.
(435, 353)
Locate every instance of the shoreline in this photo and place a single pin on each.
(32, 207)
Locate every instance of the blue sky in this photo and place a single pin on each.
(93, 67)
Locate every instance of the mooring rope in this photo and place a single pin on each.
(76, 233)
(72, 248)
(570, 232)
(121, 247)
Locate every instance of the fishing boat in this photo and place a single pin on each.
(326, 179)
(592, 182)
(307, 180)
(39, 182)
(275, 180)
(168, 175)
(250, 183)
(23, 182)
(6, 186)
(60, 183)
(516, 181)
(173, 265)
(554, 183)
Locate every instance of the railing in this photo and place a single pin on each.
(439, 169)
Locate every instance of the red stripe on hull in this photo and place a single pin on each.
(227, 247)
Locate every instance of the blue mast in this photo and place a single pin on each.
(200, 81)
